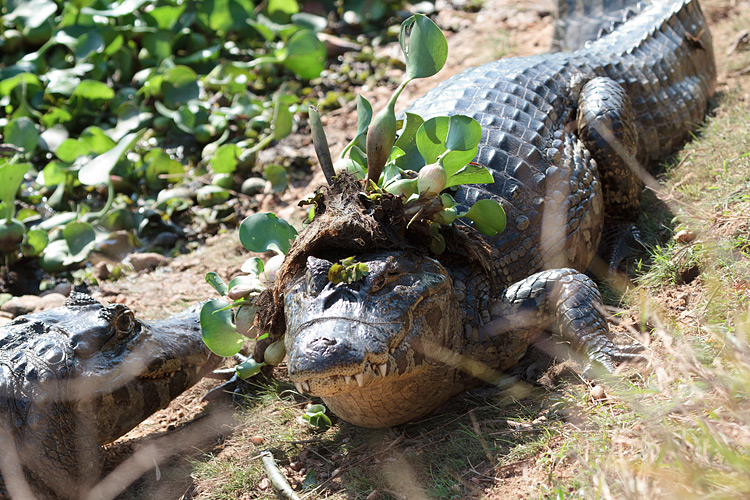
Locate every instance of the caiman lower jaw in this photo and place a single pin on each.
(328, 385)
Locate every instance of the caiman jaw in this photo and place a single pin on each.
(363, 341)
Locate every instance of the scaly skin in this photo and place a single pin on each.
(564, 135)
(82, 375)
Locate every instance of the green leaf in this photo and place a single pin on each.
(426, 50)
(71, 149)
(92, 89)
(54, 173)
(11, 176)
(115, 9)
(22, 132)
(158, 163)
(430, 138)
(96, 140)
(304, 54)
(470, 174)
(224, 161)
(179, 85)
(262, 232)
(282, 119)
(81, 238)
(33, 13)
(218, 330)
(282, 10)
(248, 368)
(488, 216)
(464, 133)
(253, 265)
(364, 114)
(98, 169)
(276, 175)
(35, 242)
(215, 281)
(53, 137)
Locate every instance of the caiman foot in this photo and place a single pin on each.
(619, 241)
(565, 301)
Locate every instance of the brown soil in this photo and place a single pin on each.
(188, 428)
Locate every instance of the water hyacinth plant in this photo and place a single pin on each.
(414, 159)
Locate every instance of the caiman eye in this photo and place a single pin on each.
(124, 322)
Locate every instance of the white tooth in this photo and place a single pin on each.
(306, 386)
(360, 379)
(392, 349)
(347, 379)
(298, 386)
(383, 369)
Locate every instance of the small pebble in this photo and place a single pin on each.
(684, 236)
(257, 439)
(295, 466)
(264, 484)
(51, 301)
(597, 393)
(147, 260)
(18, 306)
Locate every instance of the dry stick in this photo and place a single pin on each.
(277, 479)
(481, 439)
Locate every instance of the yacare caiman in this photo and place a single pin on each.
(80, 376)
(564, 135)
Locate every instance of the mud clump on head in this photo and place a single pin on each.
(347, 222)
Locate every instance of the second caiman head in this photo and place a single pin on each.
(375, 349)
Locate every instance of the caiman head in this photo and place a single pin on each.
(82, 375)
(378, 342)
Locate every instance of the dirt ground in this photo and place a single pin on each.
(501, 28)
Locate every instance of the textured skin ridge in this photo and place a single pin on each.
(566, 137)
(525, 104)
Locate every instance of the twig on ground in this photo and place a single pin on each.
(277, 479)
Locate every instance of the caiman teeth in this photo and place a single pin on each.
(348, 379)
(298, 386)
(360, 379)
(306, 386)
(383, 369)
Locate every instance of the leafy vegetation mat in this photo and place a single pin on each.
(679, 427)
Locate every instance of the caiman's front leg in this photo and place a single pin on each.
(561, 300)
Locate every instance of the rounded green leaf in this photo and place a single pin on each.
(276, 175)
(92, 89)
(248, 368)
(218, 330)
(36, 241)
(224, 161)
(161, 169)
(80, 238)
(71, 149)
(430, 138)
(488, 216)
(97, 170)
(215, 281)
(464, 133)
(11, 176)
(262, 232)
(53, 137)
(427, 48)
(96, 140)
(304, 55)
(22, 132)
(179, 85)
